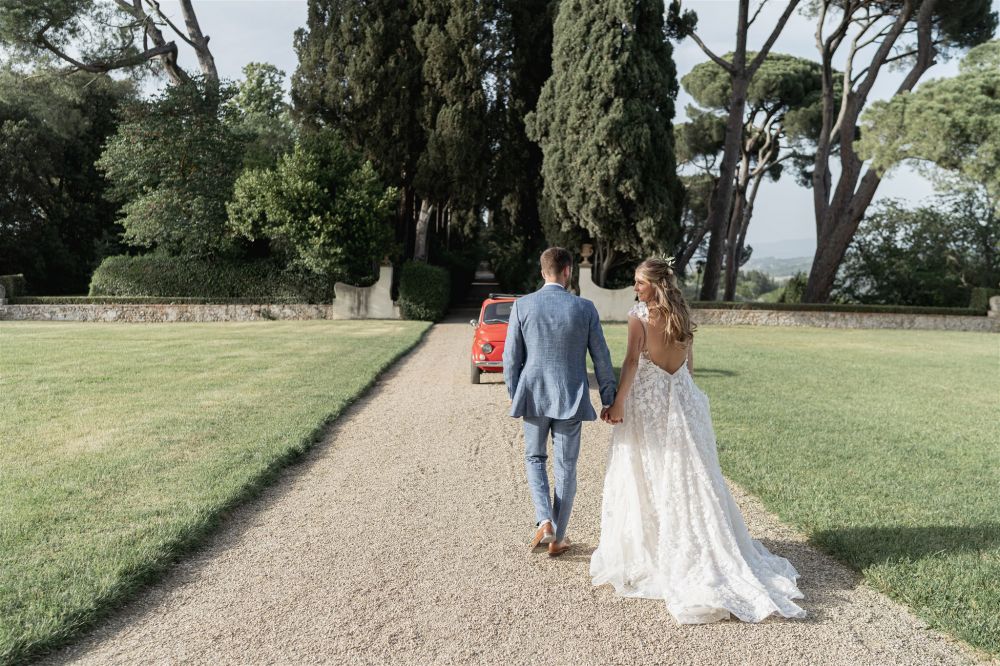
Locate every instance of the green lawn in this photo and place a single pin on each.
(121, 446)
(882, 446)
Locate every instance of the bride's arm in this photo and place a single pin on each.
(629, 365)
(691, 357)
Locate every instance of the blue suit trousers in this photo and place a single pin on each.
(566, 450)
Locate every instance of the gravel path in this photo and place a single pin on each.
(402, 538)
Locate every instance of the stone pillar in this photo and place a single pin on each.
(374, 302)
(611, 304)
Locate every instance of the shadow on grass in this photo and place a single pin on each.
(863, 547)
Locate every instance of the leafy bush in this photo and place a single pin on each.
(930, 255)
(751, 285)
(323, 209)
(424, 291)
(794, 288)
(172, 163)
(163, 276)
(56, 224)
(14, 285)
(980, 299)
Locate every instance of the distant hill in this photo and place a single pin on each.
(785, 249)
(778, 268)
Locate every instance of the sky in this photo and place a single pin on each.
(783, 225)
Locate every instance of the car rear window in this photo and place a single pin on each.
(497, 313)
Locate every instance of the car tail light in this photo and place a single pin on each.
(487, 348)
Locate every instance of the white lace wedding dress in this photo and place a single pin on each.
(670, 528)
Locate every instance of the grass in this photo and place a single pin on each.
(122, 446)
(882, 446)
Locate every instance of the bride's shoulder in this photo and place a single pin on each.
(639, 311)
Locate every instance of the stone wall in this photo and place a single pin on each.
(164, 313)
(374, 302)
(845, 320)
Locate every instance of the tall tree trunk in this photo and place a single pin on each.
(720, 208)
(735, 222)
(420, 236)
(740, 75)
(199, 41)
(839, 209)
(732, 264)
(741, 238)
(605, 258)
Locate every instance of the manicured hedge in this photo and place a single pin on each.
(980, 298)
(424, 291)
(14, 285)
(161, 276)
(129, 300)
(836, 307)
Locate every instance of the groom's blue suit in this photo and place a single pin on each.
(545, 369)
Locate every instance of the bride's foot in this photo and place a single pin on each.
(543, 535)
(557, 548)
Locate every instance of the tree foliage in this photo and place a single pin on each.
(259, 113)
(952, 124)
(453, 114)
(100, 37)
(741, 68)
(521, 58)
(55, 223)
(931, 255)
(453, 170)
(873, 35)
(360, 73)
(321, 208)
(603, 122)
(783, 103)
(172, 164)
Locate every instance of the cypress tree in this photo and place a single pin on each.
(604, 125)
(361, 73)
(524, 64)
(452, 172)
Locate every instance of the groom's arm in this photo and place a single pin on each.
(598, 348)
(513, 352)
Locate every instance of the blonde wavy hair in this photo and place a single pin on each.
(670, 303)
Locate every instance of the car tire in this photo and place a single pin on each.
(476, 373)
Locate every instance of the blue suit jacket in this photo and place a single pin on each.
(545, 356)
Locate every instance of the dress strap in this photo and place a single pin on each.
(641, 312)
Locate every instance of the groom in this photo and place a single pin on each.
(545, 369)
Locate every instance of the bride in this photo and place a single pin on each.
(670, 528)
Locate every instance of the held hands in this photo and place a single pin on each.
(613, 414)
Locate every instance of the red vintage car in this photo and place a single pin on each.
(491, 331)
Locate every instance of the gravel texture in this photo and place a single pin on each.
(402, 538)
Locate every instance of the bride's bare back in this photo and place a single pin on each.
(668, 354)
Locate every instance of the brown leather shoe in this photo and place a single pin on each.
(543, 535)
(557, 548)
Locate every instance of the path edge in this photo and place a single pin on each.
(143, 579)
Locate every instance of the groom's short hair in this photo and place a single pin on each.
(555, 260)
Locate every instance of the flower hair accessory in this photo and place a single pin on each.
(668, 259)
